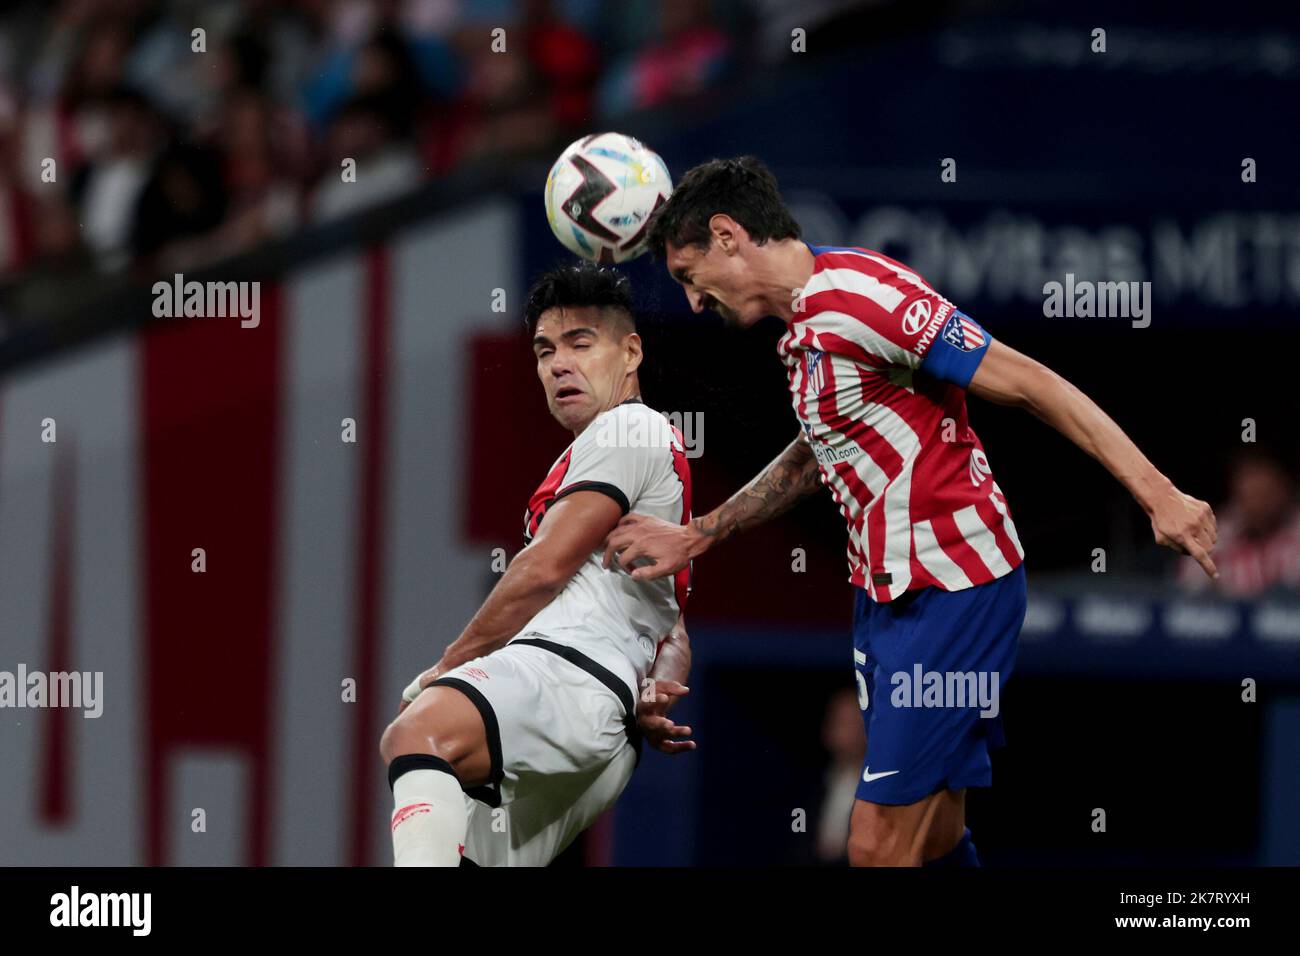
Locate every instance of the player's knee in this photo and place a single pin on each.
(877, 843)
(389, 743)
(423, 730)
(406, 735)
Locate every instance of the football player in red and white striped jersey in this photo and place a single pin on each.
(879, 366)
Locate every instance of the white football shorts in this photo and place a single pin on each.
(562, 738)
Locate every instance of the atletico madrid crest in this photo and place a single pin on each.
(961, 332)
(813, 369)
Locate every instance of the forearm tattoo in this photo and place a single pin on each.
(779, 487)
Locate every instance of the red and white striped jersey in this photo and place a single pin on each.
(878, 366)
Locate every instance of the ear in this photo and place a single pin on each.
(726, 232)
(632, 347)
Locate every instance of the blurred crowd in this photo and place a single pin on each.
(129, 142)
(1258, 551)
(143, 137)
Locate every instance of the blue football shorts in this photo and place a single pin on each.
(930, 668)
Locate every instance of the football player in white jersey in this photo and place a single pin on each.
(530, 725)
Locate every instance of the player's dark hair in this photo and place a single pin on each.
(742, 188)
(579, 284)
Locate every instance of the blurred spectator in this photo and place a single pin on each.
(1259, 531)
(566, 62)
(386, 166)
(690, 54)
(183, 198)
(73, 81)
(844, 738)
(498, 111)
(389, 66)
(258, 169)
(161, 62)
(257, 176)
(108, 187)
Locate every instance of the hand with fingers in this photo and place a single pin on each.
(654, 723)
(414, 688)
(663, 547)
(1186, 525)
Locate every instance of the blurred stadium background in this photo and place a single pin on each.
(329, 560)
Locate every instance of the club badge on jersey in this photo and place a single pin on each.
(961, 332)
(813, 365)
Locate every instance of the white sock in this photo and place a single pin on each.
(429, 819)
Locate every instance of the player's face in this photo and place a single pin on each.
(583, 360)
(714, 280)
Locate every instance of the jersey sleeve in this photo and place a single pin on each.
(619, 455)
(957, 350)
(901, 324)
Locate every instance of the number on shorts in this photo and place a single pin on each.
(861, 658)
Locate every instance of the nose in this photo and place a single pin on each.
(561, 364)
(696, 300)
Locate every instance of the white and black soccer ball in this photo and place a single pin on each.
(600, 193)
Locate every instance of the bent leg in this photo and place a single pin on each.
(434, 748)
(556, 810)
(443, 722)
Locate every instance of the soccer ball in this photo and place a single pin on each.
(601, 191)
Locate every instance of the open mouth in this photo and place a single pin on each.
(568, 391)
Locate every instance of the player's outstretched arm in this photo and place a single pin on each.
(774, 491)
(574, 527)
(1178, 521)
(671, 669)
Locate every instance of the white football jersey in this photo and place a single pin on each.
(634, 455)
